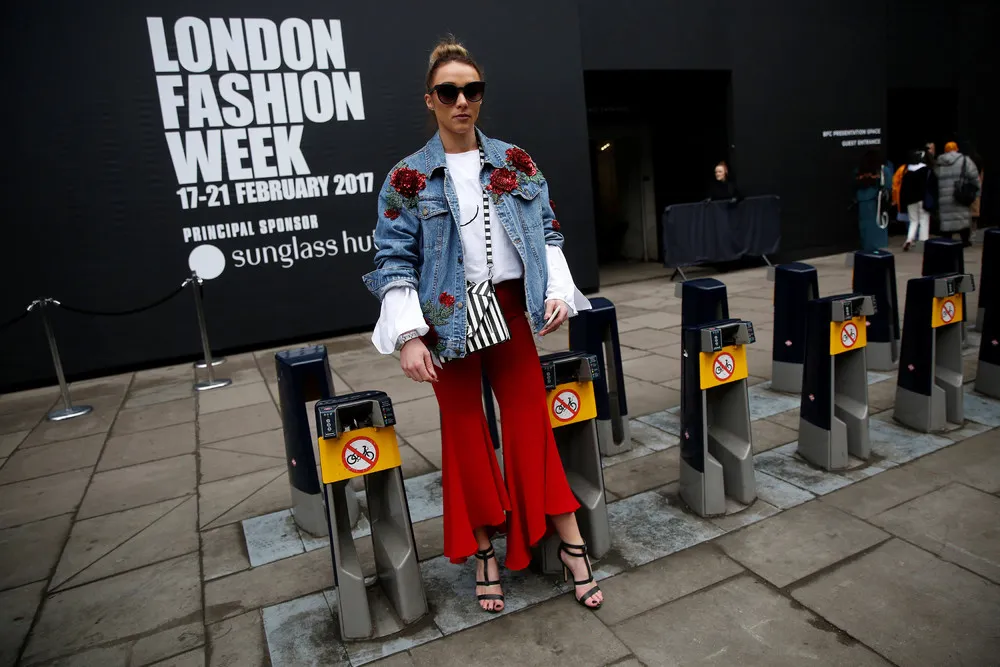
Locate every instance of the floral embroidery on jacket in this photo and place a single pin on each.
(435, 315)
(406, 186)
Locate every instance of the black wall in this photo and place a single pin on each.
(92, 217)
(798, 69)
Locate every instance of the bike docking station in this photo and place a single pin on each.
(875, 275)
(945, 257)
(989, 275)
(833, 416)
(929, 385)
(716, 442)
(569, 386)
(795, 285)
(357, 439)
(595, 332)
(304, 376)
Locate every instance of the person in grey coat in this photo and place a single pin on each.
(955, 217)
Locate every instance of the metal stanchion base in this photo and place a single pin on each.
(69, 413)
(215, 362)
(216, 384)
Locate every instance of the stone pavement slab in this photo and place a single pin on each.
(273, 496)
(264, 443)
(223, 551)
(143, 484)
(739, 622)
(133, 420)
(10, 441)
(157, 394)
(135, 606)
(51, 459)
(234, 396)
(29, 552)
(24, 502)
(779, 493)
(219, 464)
(662, 581)
(97, 422)
(268, 584)
(767, 435)
(643, 474)
(194, 658)
(238, 642)
(146, 446)
(217, 498)
(799, 542)
(237, 422)
(956, 523)
(893, 487)
(303, 632)
(93, 539)
(17, 612)
(975, 462)
(654, 368)
(910, 607)
(559, 633)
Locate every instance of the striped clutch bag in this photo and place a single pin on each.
(485, 323)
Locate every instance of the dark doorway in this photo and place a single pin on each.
(655, 137)
(916, 116)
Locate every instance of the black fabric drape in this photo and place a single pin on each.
(709, 232)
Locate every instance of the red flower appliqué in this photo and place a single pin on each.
(408, 182)
(392, 213)
(502, 181)
(446, 300)
(552, 205)
(556, 226)
(521, 161)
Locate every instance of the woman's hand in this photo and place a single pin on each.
(559, 307)
(415, 359)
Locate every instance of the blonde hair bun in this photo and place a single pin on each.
(448, 47)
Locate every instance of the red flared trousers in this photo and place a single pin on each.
(475, 493)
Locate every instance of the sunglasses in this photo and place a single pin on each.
(448, 92)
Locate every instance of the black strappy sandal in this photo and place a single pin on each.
(580, 552)
(485, 555)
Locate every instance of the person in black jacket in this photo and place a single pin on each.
(723, 188)
(916, 198)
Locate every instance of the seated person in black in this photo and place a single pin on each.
(722, 188)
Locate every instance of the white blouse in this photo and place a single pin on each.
(401, 310)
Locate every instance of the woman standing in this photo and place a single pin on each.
(872, 185)
(470, 210)
(723, 188)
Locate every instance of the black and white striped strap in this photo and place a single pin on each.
(486, 216)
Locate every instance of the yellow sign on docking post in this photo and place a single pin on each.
(727, 365)
(357, 453)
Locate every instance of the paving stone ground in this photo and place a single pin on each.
(155, 531)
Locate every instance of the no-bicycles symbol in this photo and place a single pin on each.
(723, 367)
(360, 455)
(947, 311)
(566, 405)
(849, 334)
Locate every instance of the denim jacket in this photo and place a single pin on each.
(419, 244)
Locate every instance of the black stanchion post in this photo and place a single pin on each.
(212, 382)
(68, 410)
(357, 439)
(303, 376)
(929, 388)
(569, 385)
(795, 284)
(988, 370)
(833, 417)
(989, 276)
(595, 332)
(875, 276)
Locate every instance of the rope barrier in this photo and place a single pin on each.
(130, 311)
(14, 320)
